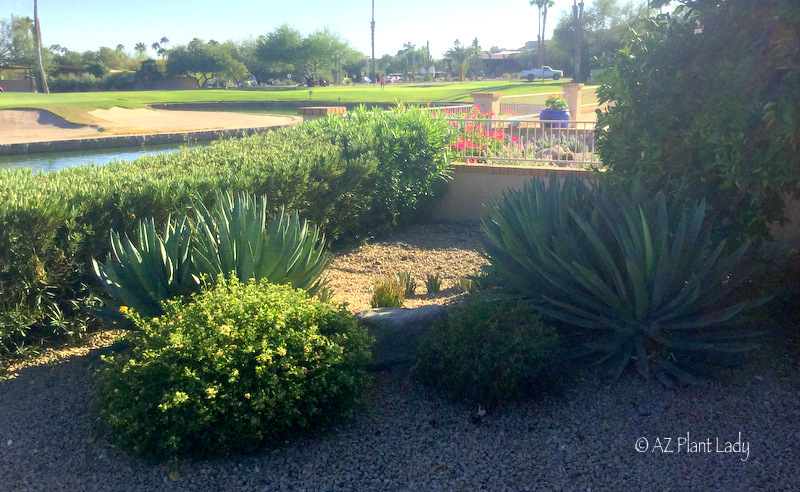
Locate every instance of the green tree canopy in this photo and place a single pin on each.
(707, 104)
(203, 61)
(286, 51)
(459, 56)
(279, 51)
(606, 24)
(17, 46)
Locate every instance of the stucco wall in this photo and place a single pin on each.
(473, 185)
(17, 85)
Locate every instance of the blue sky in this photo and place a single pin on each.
(88, 24)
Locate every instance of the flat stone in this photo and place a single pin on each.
(397, 331)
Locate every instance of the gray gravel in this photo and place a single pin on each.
(406, 438)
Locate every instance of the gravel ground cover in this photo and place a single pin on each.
(741, 431)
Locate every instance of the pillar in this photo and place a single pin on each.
(488, 101)
(572, 91)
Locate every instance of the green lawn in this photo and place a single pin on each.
(75, 106)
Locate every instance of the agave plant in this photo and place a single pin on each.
(159, 268)
(234, 237)
(645, 283)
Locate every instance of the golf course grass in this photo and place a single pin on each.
(74, 107)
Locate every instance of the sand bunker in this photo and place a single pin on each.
(33, 125)
(36, 125)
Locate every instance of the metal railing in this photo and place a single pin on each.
(522, 105)
(459, 109)
(525, 141)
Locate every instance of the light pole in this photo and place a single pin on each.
(372, 73)
(577, 14)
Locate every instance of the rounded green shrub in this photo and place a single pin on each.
(490, 351)
(230, 368)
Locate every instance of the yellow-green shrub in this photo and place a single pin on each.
(231, 368)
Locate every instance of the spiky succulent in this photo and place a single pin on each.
(234, 236)
(643, 282)
(140, 276)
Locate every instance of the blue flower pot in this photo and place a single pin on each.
(554, 114)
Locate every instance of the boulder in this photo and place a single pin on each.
(397, 331)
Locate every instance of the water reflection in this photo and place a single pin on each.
(54, 161)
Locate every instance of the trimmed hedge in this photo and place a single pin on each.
(353, 177)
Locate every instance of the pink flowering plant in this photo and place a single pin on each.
(483, 138)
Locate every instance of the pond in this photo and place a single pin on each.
(59, 160)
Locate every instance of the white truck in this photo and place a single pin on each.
(542, 73)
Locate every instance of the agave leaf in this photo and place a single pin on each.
(606, 257)
(116, 288)
(713, 318)
(642, 358)
(620, 359)
(680, 373)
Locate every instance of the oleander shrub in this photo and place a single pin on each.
(643, 283)
(490, 351)
(71, 82)
(230, 369)
(52, 224)
(411, 147)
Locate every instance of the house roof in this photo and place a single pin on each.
(499, 55)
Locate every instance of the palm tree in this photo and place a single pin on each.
(542, 5)
(140, 49)
(120, 48)
(459, 55)
(38, 38)
(164, 41)
(155, 47)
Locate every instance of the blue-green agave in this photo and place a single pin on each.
(159, 268)
(232, 238)
(644, 283)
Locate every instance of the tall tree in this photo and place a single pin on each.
(165, 41)
(475, 58)
(140, 49)
(542, 6)
(17, 44)
(38, 36)
(280, 51)
(459, 56)
(606, 24)
(202, 61)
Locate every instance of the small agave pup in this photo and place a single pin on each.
(643, 282)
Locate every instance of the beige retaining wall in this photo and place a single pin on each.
(474, 185)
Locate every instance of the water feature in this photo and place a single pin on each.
(59, 160)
